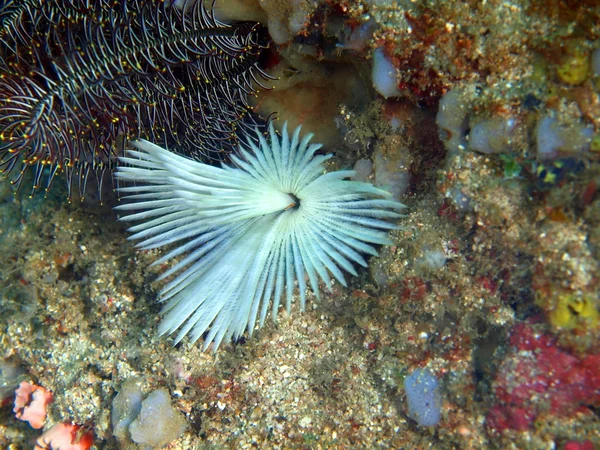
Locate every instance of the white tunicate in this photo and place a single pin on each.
(286, 19)
(453, 121)
(357, 38)
(158, 423)
(461, 201)
(553, 139)
(432, 259)
(548, 138)
(380, 276)
(395, 123)
(492, 135)
(363, 168)
(10, 377)
(393, 177)
(384, 75)
(125, 407)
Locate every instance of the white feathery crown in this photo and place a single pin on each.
(247, 233)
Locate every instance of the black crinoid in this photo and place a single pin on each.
(79, 78)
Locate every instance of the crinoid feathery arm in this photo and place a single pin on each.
(79, 77)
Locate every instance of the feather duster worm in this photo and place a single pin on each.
(247, 233)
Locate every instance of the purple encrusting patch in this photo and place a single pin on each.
(423, 397)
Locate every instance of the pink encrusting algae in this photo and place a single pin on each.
(31, 402)
(64, 436)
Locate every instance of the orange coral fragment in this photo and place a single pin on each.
(31, 402)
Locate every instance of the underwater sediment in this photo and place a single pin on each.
(484, 119)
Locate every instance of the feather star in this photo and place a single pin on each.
(249, 231)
